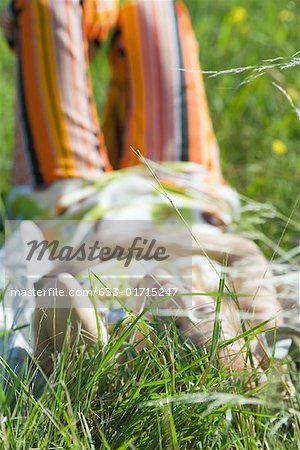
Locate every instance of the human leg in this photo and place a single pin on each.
(194, 315)
(63, 317)
(164, 114)
(250, 274)
(57, 126)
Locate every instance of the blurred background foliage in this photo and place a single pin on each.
(257, 129)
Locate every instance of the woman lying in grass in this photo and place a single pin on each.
(156, 104)
(248, 281)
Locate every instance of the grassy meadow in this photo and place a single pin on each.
(171, 395)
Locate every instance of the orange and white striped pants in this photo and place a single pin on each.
(156, 101)
(57, 130)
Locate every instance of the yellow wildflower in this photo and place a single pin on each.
(286, 16)
(279, 147)
(238, 15)
(293, 94)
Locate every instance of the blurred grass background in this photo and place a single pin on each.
(257, 129)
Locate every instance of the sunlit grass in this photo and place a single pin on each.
(166, 394)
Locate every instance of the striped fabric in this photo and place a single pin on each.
(58, 135)
(154, 105)
(99, 17)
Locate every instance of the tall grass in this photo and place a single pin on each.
(169, 394)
